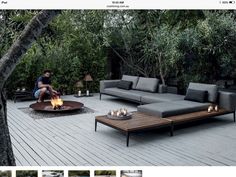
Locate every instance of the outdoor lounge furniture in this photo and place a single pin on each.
(143, 90)
(166, 109)
(132, 174)
(225, 100)
(142, 121)
(163, 101)
(23, 96)
(139, 122)
(162, 106)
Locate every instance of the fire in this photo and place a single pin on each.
(56, 103)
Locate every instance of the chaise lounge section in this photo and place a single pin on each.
(192, 101)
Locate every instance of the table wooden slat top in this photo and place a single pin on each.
(141, 121)
(138, 121)
(197, 115)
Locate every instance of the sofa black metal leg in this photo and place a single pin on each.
(96, 123)
(234, 116)
(100, 97)
(127, 139)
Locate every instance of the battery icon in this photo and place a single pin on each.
(231, 2)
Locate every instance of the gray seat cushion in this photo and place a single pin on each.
(141, 93)
(167, 109)
(133, 79)
(192, 103)
(210, 88)
(126, 94)
(160, 97)
(147, 84)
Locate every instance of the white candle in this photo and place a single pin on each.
(87, 92)
(216, 108)
(79, 93)
(210, 108)
(118, 113)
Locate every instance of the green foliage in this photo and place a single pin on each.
(104, 172)
(209, 49)
(70, 48)
(163, 51)
(79, 173)
(187, 45)
(26, 173)
(5, 173)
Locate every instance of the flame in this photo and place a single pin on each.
(56, 102)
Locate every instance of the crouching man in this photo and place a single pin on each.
(43, 87)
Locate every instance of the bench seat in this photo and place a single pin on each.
(167, 109)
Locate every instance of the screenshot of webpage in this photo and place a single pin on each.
(117, 88)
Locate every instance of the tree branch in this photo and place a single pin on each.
(32, 30)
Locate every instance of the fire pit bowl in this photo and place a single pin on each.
(68, 106)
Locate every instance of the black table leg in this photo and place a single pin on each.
(127, 139)
(234, 116)
(96, 122)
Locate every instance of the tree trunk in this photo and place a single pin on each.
(6, 155)
(161, 70)
(7, 64)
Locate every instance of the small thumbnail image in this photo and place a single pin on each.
(105, 173)
(131, 173)
(5, 173)
(52, 173)
(26, 173)
(80, 173)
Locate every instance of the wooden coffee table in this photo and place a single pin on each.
(138, 122)
(141, 121)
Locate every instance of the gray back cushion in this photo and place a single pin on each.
(210, 88)
(133, 79)
(147, 84)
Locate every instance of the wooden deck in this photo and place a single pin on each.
(71, 140)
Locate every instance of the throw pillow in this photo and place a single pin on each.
(127, 85)
(196, 95)
(133, 79)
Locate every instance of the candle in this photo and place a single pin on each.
(216, 108)
(122, 111)
(210, 109)
(79, 93)
(87, 92)
(125, 112)
(118, 113)
(112, 113)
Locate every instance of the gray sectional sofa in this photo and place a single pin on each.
(143, 90)
(163, 101)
